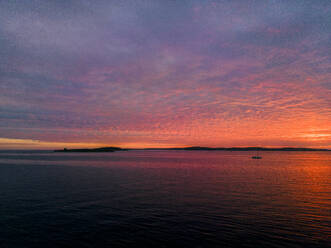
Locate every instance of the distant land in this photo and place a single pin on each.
(101, 149)
(194, 148)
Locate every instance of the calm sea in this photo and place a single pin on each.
(165, 199)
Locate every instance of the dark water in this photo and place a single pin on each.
(165, 199)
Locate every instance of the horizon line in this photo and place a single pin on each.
(183, 148)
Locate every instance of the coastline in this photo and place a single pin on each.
(193, 148)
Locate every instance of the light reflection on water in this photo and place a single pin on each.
(165, 198)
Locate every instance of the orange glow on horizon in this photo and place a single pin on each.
(34, 144)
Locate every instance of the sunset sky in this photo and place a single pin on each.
(165, 73)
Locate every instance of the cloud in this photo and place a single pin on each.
(158, 73)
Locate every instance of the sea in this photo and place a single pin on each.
(151, 198)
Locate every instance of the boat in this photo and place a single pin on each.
(257, 156)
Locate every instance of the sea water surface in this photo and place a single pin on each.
(165, 199)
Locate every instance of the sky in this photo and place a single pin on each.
(165, 73)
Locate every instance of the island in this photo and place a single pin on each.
(101, 149)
